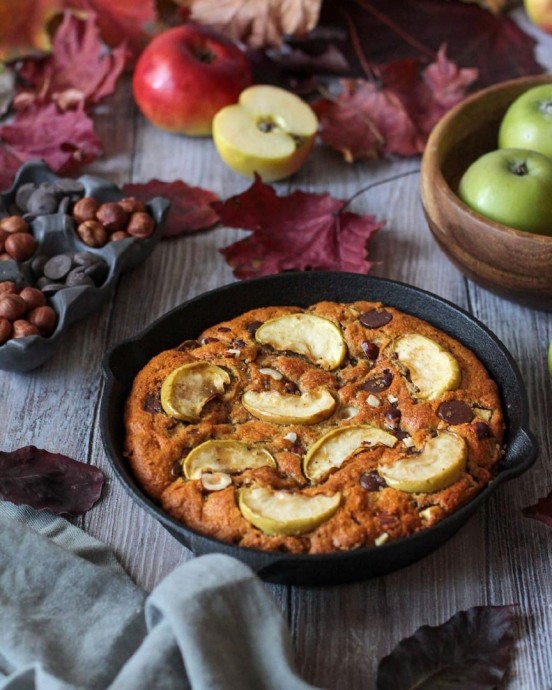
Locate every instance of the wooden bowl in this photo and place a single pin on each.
(512, 263)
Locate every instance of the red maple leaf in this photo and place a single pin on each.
(302, 231)
(134, 21)
(62, 140)
(79, 70)
(542, 510)
(394, 112)
(190, 210)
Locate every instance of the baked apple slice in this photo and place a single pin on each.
(332, 449)
(441, 462)
(226, 456)
(186, 390)
(283, 512)
(433, 370)
(317, 338)
(287, 408)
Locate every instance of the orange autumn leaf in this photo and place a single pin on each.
(24, 30)
(257, 23)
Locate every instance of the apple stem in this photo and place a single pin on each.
(377, 184)
(204, 55)
(520, 169)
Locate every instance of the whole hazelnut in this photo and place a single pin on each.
(92, 233)
(112, 216)
(12, 307)
(7, 287)
(44, 318)
(3, 235)
(20, 246)
(5, 330)
(140, 224)
(14, 224)
(118, 235)
(22, 328)
(33, 296)
(130, 204)
(85, 209)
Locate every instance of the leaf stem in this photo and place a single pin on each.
(384, 19)
(377, 184)
(357, 47)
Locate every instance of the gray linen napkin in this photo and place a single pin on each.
(71, 619)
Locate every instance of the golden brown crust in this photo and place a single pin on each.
(370, 512)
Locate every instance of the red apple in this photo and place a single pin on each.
(187, 74)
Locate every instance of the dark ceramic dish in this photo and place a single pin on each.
(55, 233)
(123, 362)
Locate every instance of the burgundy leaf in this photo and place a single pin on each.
(301, 232)
(190, 209)
(49, 481)
(471, 650)
(494, 44)
(62, 140)
(542, 510)
(395, 111)
(79, 70)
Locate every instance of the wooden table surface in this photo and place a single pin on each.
(340, 633)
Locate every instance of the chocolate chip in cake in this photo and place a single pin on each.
(188, 345)
(455, 412)
(253, 326)
(375, 318)
(371, 350)
(378, 383)
(291, 387)
(482, 431)
(393, 418)
(371, 481)
(152, 403)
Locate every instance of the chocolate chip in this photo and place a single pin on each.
(188, 345)
(38, 263)
(290, 387)
(375, 318)
(482, 431)
(176, 469)
(253, 326)
(378, 383)
(455, 412)
(371, 350)
(371, 481)
(97, 271)
(52, 288)
(78, 278)
(400, 434)
(22, 195)
(393, 418)
(85, 258)
(43, 201)
(223, 329)
(238, 343)
(152, 403)
(66, 185)
(57, 267)
(206, 341)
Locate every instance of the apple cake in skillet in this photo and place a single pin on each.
(312, 430)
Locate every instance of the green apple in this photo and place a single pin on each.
(512, 187)
(527, 123)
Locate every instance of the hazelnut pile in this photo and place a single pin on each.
(16, 241)
(98, 224)
(24, 312)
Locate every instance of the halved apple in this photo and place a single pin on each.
(441, 462)
(433, 370)
(283, 512)
(270, 131)
(333, 448)
(317, 338)
(225, 456)
(286, 408)
(186, 390)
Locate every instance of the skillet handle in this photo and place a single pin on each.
(521, 453)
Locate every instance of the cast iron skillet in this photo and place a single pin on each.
(123, 362)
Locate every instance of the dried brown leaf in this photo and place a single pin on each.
(257, 23)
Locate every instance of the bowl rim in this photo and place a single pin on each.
(429, 165)
(453, 521)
